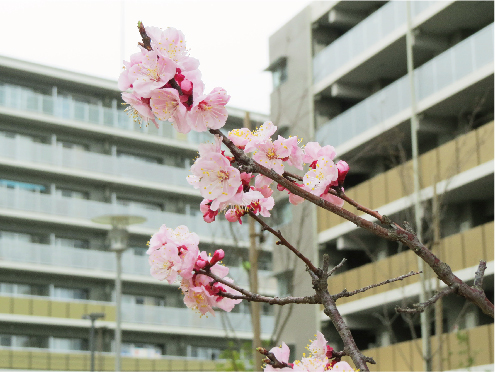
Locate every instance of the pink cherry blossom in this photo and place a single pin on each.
(210, 111)
(126, 78)
(282, 354)
(208, 214)
(205, 149)
(166, 105)
(152, 73)
(316, 180)
(296, 153)
(165, 263)
(160, 239)
(343, 169)
(182, 236)
(218, 180)
(240, 137)
(260, 136)
(262, 184)
(272, 154)
(313, 150)
(139, 108)
(333, 199)
(310, 365)
(171, 43)
(318, 347)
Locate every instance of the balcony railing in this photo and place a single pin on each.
(51, 204)
(89, 259)
(43, 359)
(26, 150)
(24, 99)
(131, 313)
(364, 36)
(468, 56)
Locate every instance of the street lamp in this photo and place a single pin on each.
(93, 317)
(118, 237)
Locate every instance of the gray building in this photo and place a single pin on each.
(340, 77)
(68, 153)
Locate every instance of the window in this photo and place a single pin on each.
(139, 204)
(72, 243)
(68, 344)
(67, 193)
(22, 185)
(142, 158)
(70, 293)
(203, 352)
(279, 71)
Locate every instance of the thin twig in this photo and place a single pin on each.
(271, 359)
(478, 276)
(283, 241)
(337, 267)
(345, 293)
(146, 44)
(419, 308)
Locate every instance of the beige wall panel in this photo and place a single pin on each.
(472, 241)
(21, 359)
(144, 364)
(77, 310)
(479, 345)
(78, 362)
(428, 165)
(208, 365)
(58, 362)
(163, 365)
(22, 306)
(109, 311)
(485, 142)
(352, 281)
(488, 240)
(382, 272)
(403, 356)
(41, 307)
(178, 365)
(129, 364)
(6, 305)
(452, 246)
(363, 194)
(378, 186)
(336, 283)
(108, 363)
(467, 148)
(59, 309)
(490, 341)
(366, 278)
(394, 184)
(417, 358)
(40, 360)
(459, 349)
(447, 159)
(5, 356)
(387, 358)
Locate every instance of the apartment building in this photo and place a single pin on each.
(340, 77)
(68, 154)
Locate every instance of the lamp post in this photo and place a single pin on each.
(93, 317)
(118, 237)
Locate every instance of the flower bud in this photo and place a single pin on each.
(343, 168)
(217, 256)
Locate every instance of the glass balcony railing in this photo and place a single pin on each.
(89, 259)
(178, 317)
(52, 204)
(447, 68)
(26, 150)
(364, 36)
(24, 99)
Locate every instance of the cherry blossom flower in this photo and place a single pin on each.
(126, 78)
(208, 214)
(210, 111)
(152, 73)
(318, 347)
(342, 367)
(260, 136)
(313, 150)
(272, 155)
(166, 105)
(343, 169)
(262, 184)
(218, 180)
(282, 354)
(139, 108)
(165, 263)
(160, 239)
(316, 180)
(310, 365)
(240, 137)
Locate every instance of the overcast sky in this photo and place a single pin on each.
(230, 38)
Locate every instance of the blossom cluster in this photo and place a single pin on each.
(224, 187)
(164, 82)
(320, 358)
(175, 252)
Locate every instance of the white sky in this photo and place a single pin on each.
(230, 38)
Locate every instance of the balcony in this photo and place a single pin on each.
(24, 99)
(23, 149)
(82, 211)
(460, 251)
(438, 75)
(465, 152)
(42, 359)
(367, 34)
(169, 317)
(88, 259)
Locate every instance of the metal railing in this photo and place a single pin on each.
(447, 68)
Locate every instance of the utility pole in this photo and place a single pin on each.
(93, 317)
(425, 315)
(253, 281)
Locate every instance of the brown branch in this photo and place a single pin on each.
(271, 359)
(478, 276)
(146, 44)
(419, 308)
(441, 269)
(344, 293)
(330, 273)
(292, 175)
(283, 241)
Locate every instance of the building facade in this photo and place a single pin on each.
(340, 69)
(68, 154)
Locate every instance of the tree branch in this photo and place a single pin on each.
(478, 276)
(419, 308)
(146, 44)
(344, 293)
